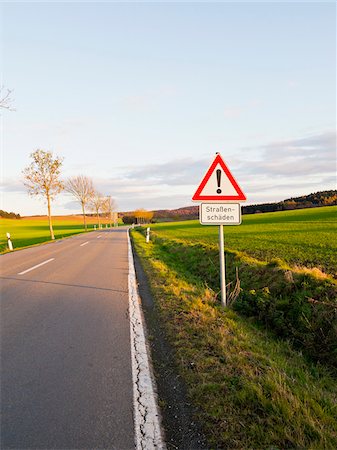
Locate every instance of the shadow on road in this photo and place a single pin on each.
(65, 284)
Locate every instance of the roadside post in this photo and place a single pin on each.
(147, 235)
(222, 192)
(94, 227)
(9, 242)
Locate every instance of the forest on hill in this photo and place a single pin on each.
(316, 199)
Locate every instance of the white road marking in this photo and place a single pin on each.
(35, 267)
(148, 434)
(99, 237)
(84, 243)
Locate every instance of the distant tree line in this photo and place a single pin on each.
(322, 198)
(9, 215)
(139, 217)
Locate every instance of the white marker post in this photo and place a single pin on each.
(94, 227)
(9, 242)
(221, 189)
(147, 235)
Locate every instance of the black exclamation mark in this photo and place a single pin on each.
(218, 179)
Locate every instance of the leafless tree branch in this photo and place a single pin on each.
(6, 99)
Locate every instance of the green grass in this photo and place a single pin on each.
(300, 238)
(299, 304)
(31, 231)
(251, 389)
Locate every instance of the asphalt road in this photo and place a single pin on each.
(66, 379)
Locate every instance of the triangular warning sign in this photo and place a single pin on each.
(218, 184)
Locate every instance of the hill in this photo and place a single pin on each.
(317, 199)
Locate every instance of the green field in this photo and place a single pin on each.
(262, 373)
(35, 230)
(249, 383)
(304, 237)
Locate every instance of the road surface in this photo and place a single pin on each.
(66, 375)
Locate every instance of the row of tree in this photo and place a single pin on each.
(9, 215)
(43, 178)
(140, 216)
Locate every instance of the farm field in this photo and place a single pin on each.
(304, 237)
(35, 230)
(260, 373)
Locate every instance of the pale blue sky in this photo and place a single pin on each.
(141, 95)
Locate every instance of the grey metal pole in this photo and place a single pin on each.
(222, 266)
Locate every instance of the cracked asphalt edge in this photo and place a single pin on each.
(147, 423)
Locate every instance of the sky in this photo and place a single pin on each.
(140, 96)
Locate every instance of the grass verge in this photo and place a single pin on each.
(250, 389)
(297, 305)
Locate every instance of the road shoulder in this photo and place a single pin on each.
(147, 420)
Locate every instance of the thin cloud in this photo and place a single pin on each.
(311, 155)
(275, 171)
(12, 185)
(179, 172)
(301, 157)
(284, 168)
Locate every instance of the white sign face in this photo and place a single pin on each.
(220, 214)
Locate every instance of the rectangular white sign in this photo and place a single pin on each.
(220, 214)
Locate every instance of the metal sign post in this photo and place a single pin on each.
(222, 266)
(220, 188)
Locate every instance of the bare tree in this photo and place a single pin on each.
(6, 99)
(82, 188)
(42, 177)
(109, 206)
(96, 205)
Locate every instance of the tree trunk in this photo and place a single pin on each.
(99, 220)
(49, 219)
(84, 219)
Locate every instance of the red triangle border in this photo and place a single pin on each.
(218, 160)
